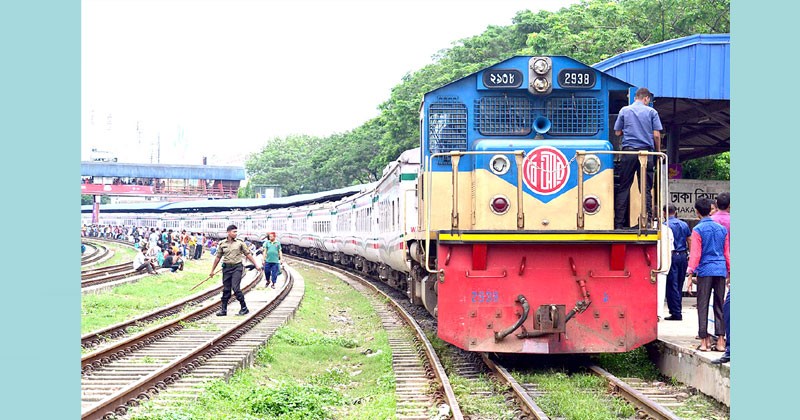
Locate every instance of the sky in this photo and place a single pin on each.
(173, 81)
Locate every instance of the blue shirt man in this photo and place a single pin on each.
(710, 260)
(680, 260)
(639, 125)
(640, 128)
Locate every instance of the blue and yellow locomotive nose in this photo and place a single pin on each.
(518, 213)
(546, 173)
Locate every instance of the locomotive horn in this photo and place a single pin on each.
(541, 124)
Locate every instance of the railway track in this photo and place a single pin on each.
(120, 330)
(94, 253)
(650, 400)
(417, 368)
(97, 276)
(182, 354)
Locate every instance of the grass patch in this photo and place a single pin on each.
(701, 407)
(330, 361)
(487, 406)
(148, 293)
(492, 406)
(122, 253)
(631, 364)
(576, 396)
(198, 325)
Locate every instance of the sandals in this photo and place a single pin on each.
(699, 348)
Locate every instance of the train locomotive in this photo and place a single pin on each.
(501, 224)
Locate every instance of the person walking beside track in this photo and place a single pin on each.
(231, 251)
(273, 255)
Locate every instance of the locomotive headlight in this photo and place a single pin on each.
(499, 204)
(540, 84)
(591, 164)
(499, 164)
(540, 66)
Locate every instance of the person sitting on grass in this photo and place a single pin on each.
(141, 262)
(173, 261)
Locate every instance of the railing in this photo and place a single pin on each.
(218, 191)
(164, 190)
(660, 187)
(455, 157)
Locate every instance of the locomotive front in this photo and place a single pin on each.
(515, 249)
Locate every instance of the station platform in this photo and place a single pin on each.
(677, 356)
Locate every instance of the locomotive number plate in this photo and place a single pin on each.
(485, 296)
(576, 78)
(497, 79)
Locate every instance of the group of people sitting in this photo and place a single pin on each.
(150, 259)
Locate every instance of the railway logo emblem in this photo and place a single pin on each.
(545, 170)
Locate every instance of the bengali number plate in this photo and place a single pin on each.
(496, 79)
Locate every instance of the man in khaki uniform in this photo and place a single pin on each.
(230, 251)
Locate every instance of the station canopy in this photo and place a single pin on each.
(690, 79)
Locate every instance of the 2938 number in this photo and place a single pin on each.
(576, 78)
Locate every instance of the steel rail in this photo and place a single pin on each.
(99, 253)
(94, 338)
(635, 397)
(102, 271)
(430, 353)
(93, 360)
(519, 392)
(132, 395)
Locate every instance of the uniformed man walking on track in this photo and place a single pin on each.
(230, 251)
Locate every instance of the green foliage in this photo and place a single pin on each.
(578, 396)
(298, 338)
(634, 363)
(308, 369)
(589, 31)
(291, 400)
(715, 167)
(87, 200)
(246, 191)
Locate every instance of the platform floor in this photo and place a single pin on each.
(679, 358)
(684, 333)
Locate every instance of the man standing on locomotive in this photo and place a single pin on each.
(231, 251)
(640, 128)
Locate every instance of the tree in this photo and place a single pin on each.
(285, 162)
(87, 200)
(714, 167)
(589, 31)
(246, 191)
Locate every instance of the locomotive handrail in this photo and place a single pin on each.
(662, 186)
(454, 219)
